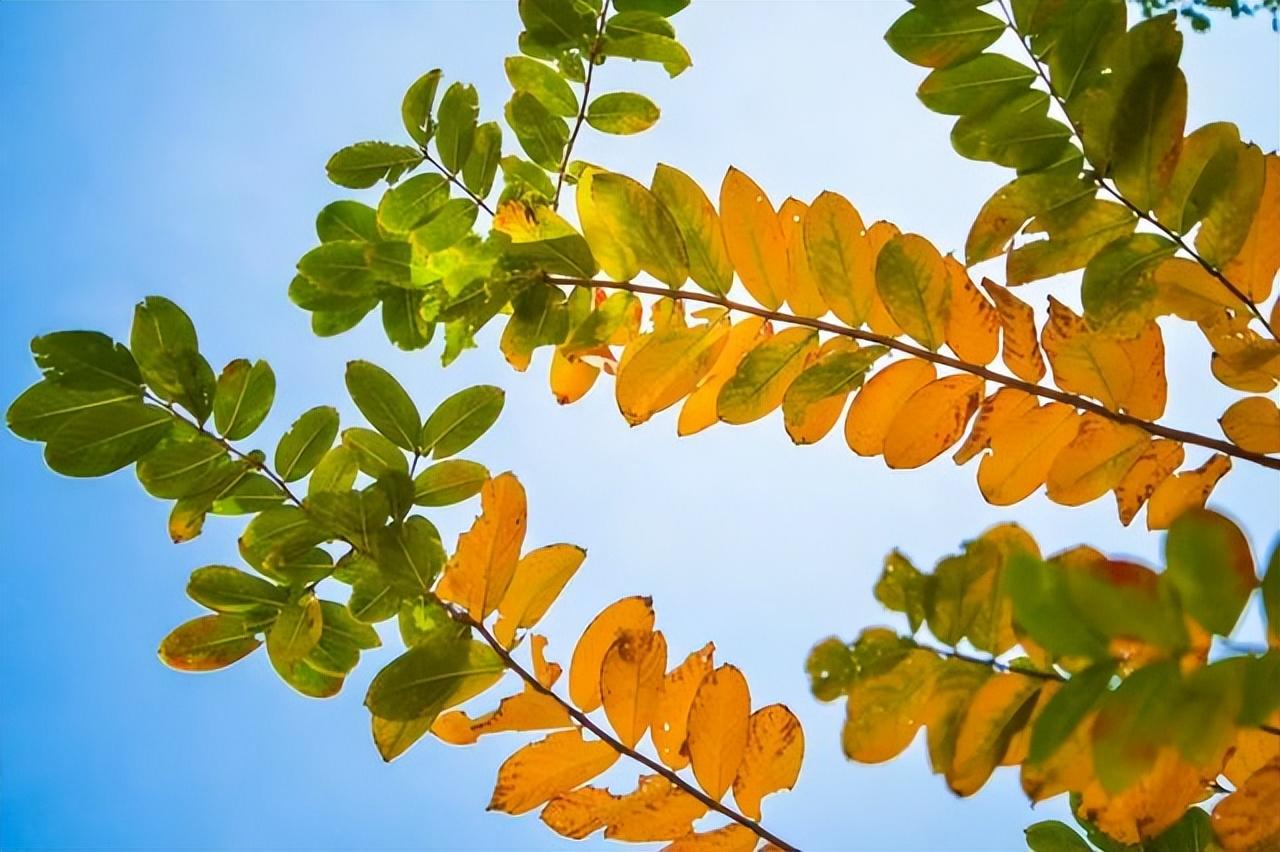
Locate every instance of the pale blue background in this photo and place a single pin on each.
(178, 149)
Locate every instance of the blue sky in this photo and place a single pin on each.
(179, 149)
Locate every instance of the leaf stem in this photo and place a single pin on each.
(1101, 181)
(582, 106)
(1079, 402)
(585, 721)
(453, 179)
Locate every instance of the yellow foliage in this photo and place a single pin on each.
(477, 576)
(718, 722)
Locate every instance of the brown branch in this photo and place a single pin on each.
(585, 721)
(582, 106)
(1098, 178)
(1079, 402)
(453, 179)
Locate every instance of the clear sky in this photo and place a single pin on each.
(179, 149)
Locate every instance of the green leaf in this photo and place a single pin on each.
(306, 442)
(622, 113)
(938, 35)
(975, 85)
(1271, 594)
(699, 224)
(913, 284)
(278, 537)
(1193, 832)
(1081, 41)
(98, 441)
(538, 318)
(86, 360)
(1042, 608)
(523, 178)
(764, 374)
(336, 471)
(415, 109)
(648, 48)
(541, 134)
(304, 677)
(482, 163)
(460, 420)
(448, 482)
(372, 598)
(831, 669)
(1054, 836)
(383, 402)
(243, 398)
(207, 643)
(327, 323)
(459, 109)
(225, 589)
(423, 618)
(295, 631)
(339, 268)
(302, 565)
(902, 588)
(555, 25)
(355, 516)
(347, 220)
(636, 22)
(834, 374)
(1067, 708)
(339, 622)
(1017, 133)
(251, 494)
(44, 407)
(541, 81)
(163, 342)
(1210, 565)
(1133, 722)
(1230, 212)
(375, 454)
(1076, 233)
(410, 555)
(402, 319)
(446, 226)
(180, 468)
(363, 164)
(408, 205)
(1118, 290)
(431, 677)
(1146, 142)
(666, 8)
(637, 217)
(1004, 214)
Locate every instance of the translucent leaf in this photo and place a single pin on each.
(1022, 454)
(699, 410)
(1095, 461)
(1160, 459)
(999, 710)
(718, 726)
(409, 204)
(912, 281)
(764, 374)
(631, 677)
(886, 709)
(98, 441)
(995, 415)
(973, 324)
(482, 164)
(670, 727)
(363, 164)
(43, 408)
(374, 453)
(410, 555)
(163, 341)
(1146, 143)
(655, 810)
(1021, 351)
(1210, 565)
(803, 297)
(1118, 289)
(1054, 836)
(634, 614)
(622, 113)
(306, 442)
(541, 134)
(878, 403)
(383, 401)
(813, 403)
(649, 48)
(457, 125)
(527, 710)
(754, 239)
(1017, 134)
(484, 563)
(840, 257)
(295, 631)
(85, 360)
(460, 420)
(1066, 710)
(431, 677)
(243, 398)
(339, 268)
(699, 224)
(449, 482)
(543, 82)
(539, 578)
(208, 643)
(1185, 491)
(771, 762)
(540, 771)
(940, 35)
(659, 369)
(415, 109)
(931, 420)
(1253, 268)
(642, 224)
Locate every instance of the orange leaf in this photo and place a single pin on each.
(543, 770)
(973, 326)
(803, 296)
(1021, 351)
(699, 410)
(730, 838)
(477, 576)
(754, 239)
(877, 404)
(671, 717)
(996, 413)
(841, 257)
(1249, 819)
(538, 579)
(1068, 768)
(878, 319)
(633, 613)
(630, 679)
(1253, 424)
(571, 378)
(655, 810)
(1022, 454)
(526, 711)
(1095, 461)
(659, 369)
(1188, 490)
(1254, 749)
(810, 421)
(885, 711)
(1158, 460)
(1254, 267)
(775, 750)
(1147, 808)
(931, 420)
(545, 673)
(998, 712)
(718, 729)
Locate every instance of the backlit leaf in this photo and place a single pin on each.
(642, 223)
(363, 164)
(207, 643)
(659, 369)
(457, 125)
(1210, 565)
(481, 569)
(306, 442)
(1184, 491)
(941, 35)
(886, 710)
(1021, 351)
(771, 762)
(97, 441)
(543, 82)
(931, 420)
(813, 403)
(699, 410)
(295, 631)
(670, 726)
(631, 677)
(538, 580)
(764, 374)
(543, 770)
(528, 710)
(841, 258)
(999, 710)
(460, 420)
(1095, 461)
(655, 810)
(622, 113)
(244, 396)
(1022, 454)
(1254, 267)
(1247, 819)
(718, 726)
(1232, 212)
(912, 281)
(699, 224)
(1160, 459)
(384, 402)
(973, 324)
(628, 614)
(417, 105)
(448, 482)
(803, 296)
(754, 239)
(877, 404)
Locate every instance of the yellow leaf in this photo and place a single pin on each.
(915, 288)
(1188, 290)
(544, 672)
(879, 320)
(612, 252)
(877, 404)
(1148, 807)
(543, 770)
(699, 410)
(718, 729)
(764, 374)
(1253, 424)
(671, 717)
(1095, 461)
(771, 762)
(973, 324)
(393, 736)
(1249, 819)
(1022, 454)
(1242, 359)
(655, 810)
(630, 680)
(998, 712)
(953, 687)
(730, 838)
(1160, 458)
(931, 420)
(886, 710)
(754, 239)
(803, 297)
(1188, 490)
(526, 711)
(1150, 391)
(997, 411)
(1254, 749)
(1021, 351)
(1070, 767)
(538, 579)
(840, 258)
(699, 225)
(477, 576)
(1253, 269)
(659, 369)
(633, 613)
(1084, 361)
(571, 378)
(813, 403)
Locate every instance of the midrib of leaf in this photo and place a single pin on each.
(180, 471)
(457, 422)
(83, 407)
(373, 600)
(1094, 36)
(450, 675)
(118, 435)
(789, 356)
(306, 445)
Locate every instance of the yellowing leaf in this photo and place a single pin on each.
(840, 258)
(931, 420)
(571, 378)
(718, 729)
(1147, 808)
(1161, 458)
(730, 838)
(754, 239)
(1187, 289)
(877, 404)
(814, 402)
(1021, 351)
(543, 770)
(886, 710)
(538, 579)
(879, 319)
(997, 411)
(803, 296)
(614, 254)
(1095, 461)
(477, 576)
(671, 716)
(699, 225)
(999, 710)
(655, 810)
(1254, 749)
(630, 680)
(1183, 491)
(954, 684)
(1253, 269)
(1022, 454)
(393, 737)
(526, 711)
(771, 762)
(699, 410)
(1253, 424)
(914, 286)
(639, 220)
(764, 374)
(1249, 819)
(544, 672)
(973, 324)
(634, 614)
(659, 369)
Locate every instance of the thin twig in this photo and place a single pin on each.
(582, 106)
(1101, 181)
(585, 721)
(934, 357)
(453, 179)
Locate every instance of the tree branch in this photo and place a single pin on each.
(582, 106)
(585, 721)
(1079, 402)
(1101, 181)
(453, 179)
